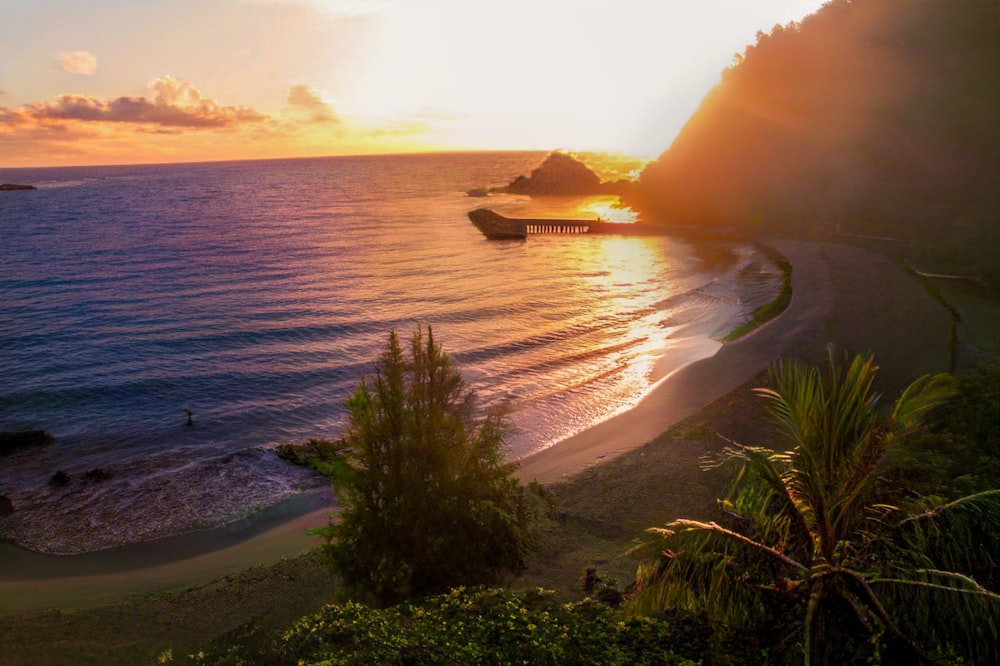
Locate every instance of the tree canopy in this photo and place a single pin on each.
(870, 117)
(428, 500)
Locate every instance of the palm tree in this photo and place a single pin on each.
(808, 537)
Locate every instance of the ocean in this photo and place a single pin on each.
(257, 294)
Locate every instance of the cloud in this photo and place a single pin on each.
(176, 103)
(174, 121)
(78, 62)
(303, 99)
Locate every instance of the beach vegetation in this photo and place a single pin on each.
(426, 492)
(775, 306)
(958, 453)
(474, 626)
(808, 546)
(321, 455)
(244, 618)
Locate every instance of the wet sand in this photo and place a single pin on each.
(694, 385)
(850, 296)
(34, 581)
(844, 295)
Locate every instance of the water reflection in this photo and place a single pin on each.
(608, 208)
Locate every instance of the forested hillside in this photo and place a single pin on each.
(870, 117)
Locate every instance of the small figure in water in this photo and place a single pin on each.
(190, 416)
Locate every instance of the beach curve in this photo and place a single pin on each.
(695, 384)
(826, 305)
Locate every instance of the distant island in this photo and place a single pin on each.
(559, 175)
(11, 187)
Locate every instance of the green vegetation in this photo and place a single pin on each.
(773, 308)
(135, 631)
(870, 118)
(811, 547)
(428, 500)
(601, 512)
(324, 456)
(479, 626)
(959, 452)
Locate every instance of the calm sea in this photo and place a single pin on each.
(256, 294)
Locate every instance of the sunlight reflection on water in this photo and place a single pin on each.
(257, 294)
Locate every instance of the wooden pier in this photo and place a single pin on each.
(497, 227)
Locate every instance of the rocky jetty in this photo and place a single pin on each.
(11, 187)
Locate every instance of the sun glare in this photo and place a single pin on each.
(607, 209)
(340, 77)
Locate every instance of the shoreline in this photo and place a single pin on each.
(826, 304)
(684, 390)
(71, 582)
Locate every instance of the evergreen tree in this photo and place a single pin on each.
(428, 500)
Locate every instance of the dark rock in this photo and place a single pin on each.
(6, 506)
(320, 455)
(10, 441)
(609, 596)
(9, 187)
(60, 479)
(97, 475)
(559, 174)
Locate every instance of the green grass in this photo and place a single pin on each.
(772, 309)
(138, 630)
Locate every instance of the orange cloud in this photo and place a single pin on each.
(78, 62)
(175, 122)
(176, 104)
(303, 99)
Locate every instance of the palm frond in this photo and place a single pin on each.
(923, 395)
(810, 526)
(937, 608)
(961, 535)
(703, 571)
(694, 525)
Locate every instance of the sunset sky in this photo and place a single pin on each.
(134, 81)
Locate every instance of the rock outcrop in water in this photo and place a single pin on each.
(10, 441)
(559, 175)
(60, 479)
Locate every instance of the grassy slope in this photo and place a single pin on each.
(136, 631)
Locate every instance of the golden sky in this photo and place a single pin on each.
(139, 81)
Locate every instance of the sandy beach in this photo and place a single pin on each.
(849, 296)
